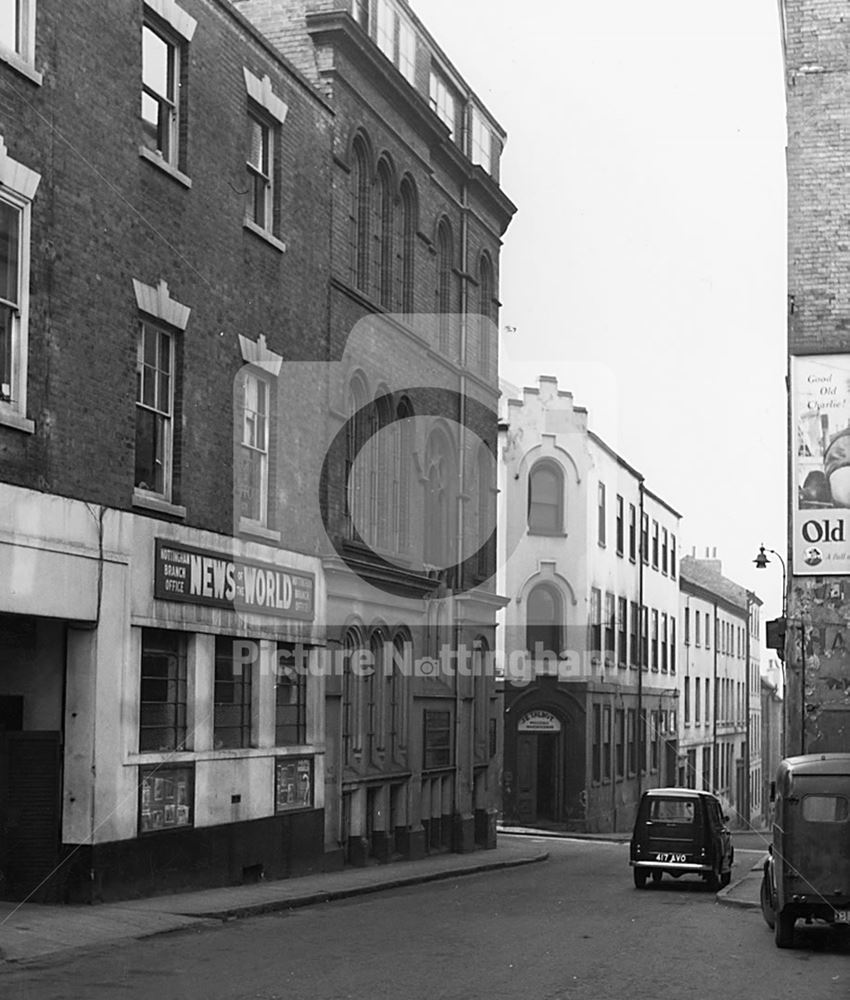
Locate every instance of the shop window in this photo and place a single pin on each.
(293, 783)
(166, 797)
(290, 722)
(162, 696)
(232, 697)
(437, 737)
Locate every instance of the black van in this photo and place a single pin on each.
(807, 874)
(681, 831)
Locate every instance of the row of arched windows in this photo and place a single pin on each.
(402, 491)
(384, 220)
(374, 717)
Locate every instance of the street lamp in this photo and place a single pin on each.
(762, 562)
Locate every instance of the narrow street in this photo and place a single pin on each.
(573, 927)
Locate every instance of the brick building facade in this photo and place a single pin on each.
(815, 36)
(185, 252)
(418, 216)
(159, 281)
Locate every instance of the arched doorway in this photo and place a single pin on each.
(540, 757)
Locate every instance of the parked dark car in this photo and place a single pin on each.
(807, 872)
(681, 831)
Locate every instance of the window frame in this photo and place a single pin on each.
(21, 55)
(162, 409)
(244, 728)
(19, 185)
(534, 525)
(296, 680)
(152, 644)
(252, 377)
(620, 529)
(601, 514)
(174, 28)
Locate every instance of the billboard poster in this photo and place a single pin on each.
(820, 392)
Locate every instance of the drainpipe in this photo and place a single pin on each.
(715, 767)
(462, 486)
(747, 804)
(641, 637)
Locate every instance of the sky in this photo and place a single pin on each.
(645, 266)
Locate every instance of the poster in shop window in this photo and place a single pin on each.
(820, 387)
(165, 796)
(293, 783)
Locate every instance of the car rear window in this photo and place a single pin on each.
(825, 808)
(671, 810)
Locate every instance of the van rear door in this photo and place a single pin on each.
(674, 829)
(817, 841)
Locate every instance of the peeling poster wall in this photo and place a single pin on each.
(821, 610)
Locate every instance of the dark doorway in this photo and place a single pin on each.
(547, 775)
(30, 832)
(538, 789)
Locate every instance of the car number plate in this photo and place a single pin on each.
(662, 856)
(842, 916)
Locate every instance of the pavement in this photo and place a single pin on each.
(33, 931)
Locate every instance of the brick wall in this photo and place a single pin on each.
(103, 216)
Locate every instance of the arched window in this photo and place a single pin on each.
(407, 244)
(355, 470)
(544, 620)
(360, 213)
(439, 500)
(546, 498)
(394, 703)
(485, 310)
(385, 235)
(350, 702)
(402, 470)
(445, 261)
(485, 479)
(381, 471)
(372, 681)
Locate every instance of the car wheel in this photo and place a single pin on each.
(783, 929)
(725, 879)
(712, 882)
(640, 877)
(656, 876)
(766, 905)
